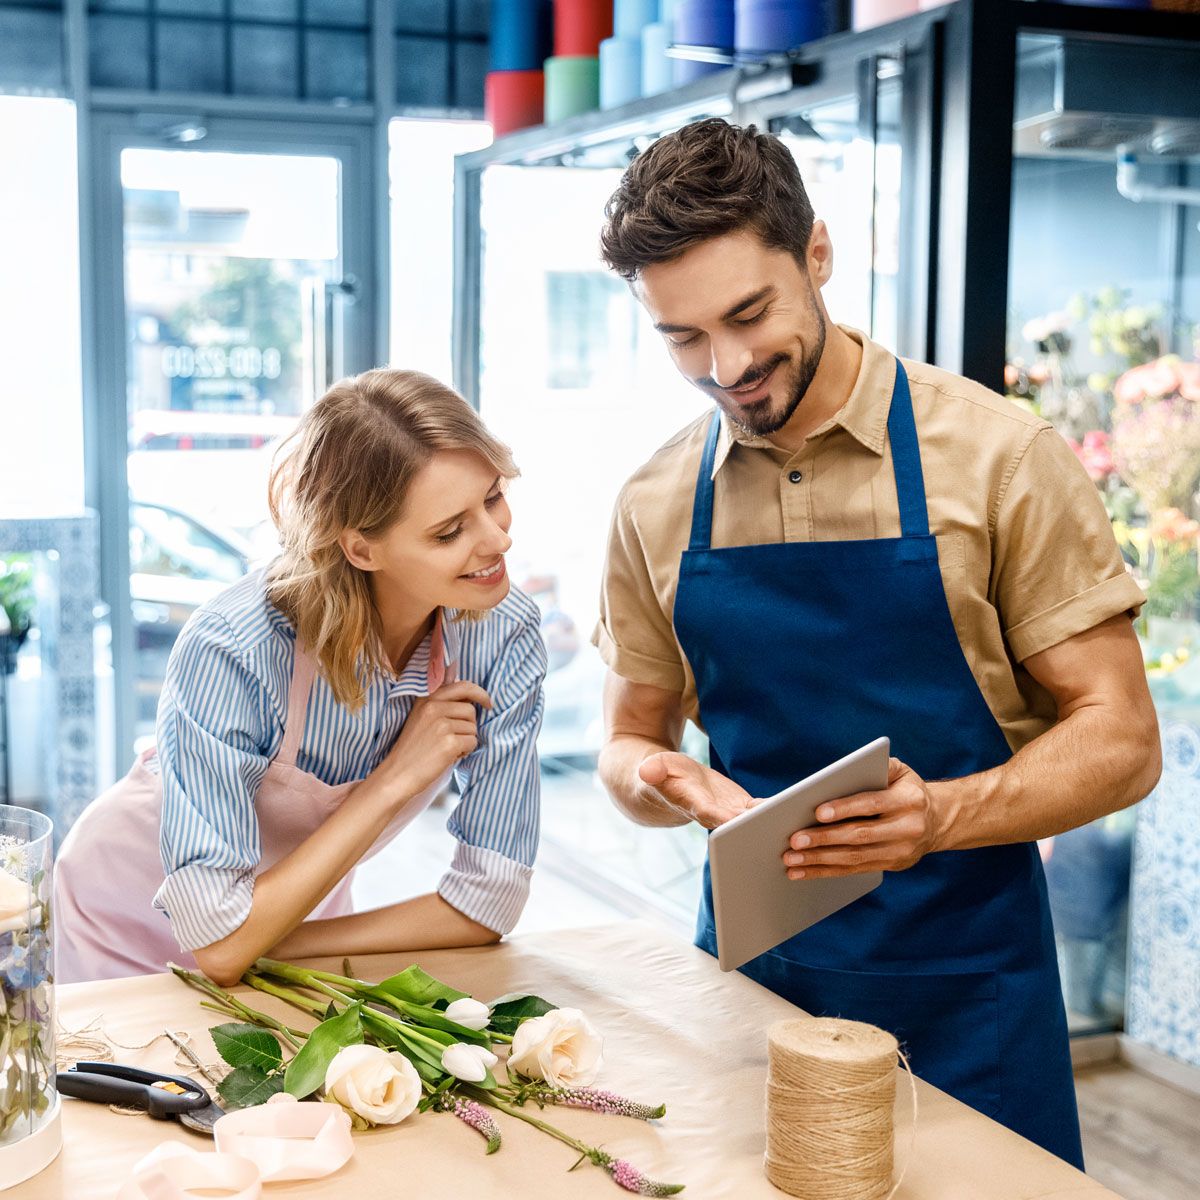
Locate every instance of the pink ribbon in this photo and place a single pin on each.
(287, 1140)
(173, 1171)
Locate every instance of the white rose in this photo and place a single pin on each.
(468, 1063)
(470, 1014)
(562, 1047)
(379, 1085)
(17, 906)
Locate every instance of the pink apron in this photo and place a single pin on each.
(110, 868)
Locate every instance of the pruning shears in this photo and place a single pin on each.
(162, 1096)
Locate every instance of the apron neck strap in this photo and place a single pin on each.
(906, 460)
(906, 463)
(304, 669)
(702, 503)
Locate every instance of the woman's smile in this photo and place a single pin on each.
(487, 576)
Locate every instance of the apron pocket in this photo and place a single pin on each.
(947, 1023)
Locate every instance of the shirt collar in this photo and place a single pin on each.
(863, 416)
(428, 668)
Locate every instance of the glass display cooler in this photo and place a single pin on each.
(1013, 191)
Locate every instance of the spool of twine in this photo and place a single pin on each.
(831, 1088)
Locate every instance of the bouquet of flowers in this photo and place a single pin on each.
(1156, 431)
(412, 1044)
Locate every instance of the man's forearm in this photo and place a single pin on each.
(618, 766)
(1094, 762)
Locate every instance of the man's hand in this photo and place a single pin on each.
(698, 792)
(871, 831)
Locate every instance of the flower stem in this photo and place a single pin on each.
(313, 1007)
(232, 1006)
(485, 1097)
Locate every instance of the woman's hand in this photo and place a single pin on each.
(439, 731)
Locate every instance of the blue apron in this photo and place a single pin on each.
(804, 651)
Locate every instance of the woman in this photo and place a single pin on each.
(312, 710)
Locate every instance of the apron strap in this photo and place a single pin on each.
(702, 504)
(304, 669)
(906, 460)
(906, 463)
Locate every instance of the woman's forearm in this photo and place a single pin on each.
(290, 889)
(423, 923)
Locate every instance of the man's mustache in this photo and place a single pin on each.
(753, 375)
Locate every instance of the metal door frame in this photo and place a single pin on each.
(106, 437)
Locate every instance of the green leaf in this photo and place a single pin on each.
(247, 1086)
(247, 1046)
(306, 1072)
(418, 987)
(510, 1011)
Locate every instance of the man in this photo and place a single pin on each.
(853, 547)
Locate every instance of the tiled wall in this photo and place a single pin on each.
(66, 547)
(1164, 981)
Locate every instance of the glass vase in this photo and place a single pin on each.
(30, 1133)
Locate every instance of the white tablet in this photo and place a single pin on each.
(756, 905)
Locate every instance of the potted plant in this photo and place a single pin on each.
(17, 600)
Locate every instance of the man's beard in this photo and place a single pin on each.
(766, 419)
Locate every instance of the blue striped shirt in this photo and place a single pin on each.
(220, 722)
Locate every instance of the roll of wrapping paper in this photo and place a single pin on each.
(580, 26)
(656, 66)
(772, 26)
(521, 34)
(701, 23)
(620, 71)
(513, 100)
(630, 17)
(572, 86)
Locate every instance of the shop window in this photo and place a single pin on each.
(582, 308)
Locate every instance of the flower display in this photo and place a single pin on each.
(1156, 431)
(412, 1044)
(1095, 453)
(1140, 443)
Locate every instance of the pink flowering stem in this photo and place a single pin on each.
(474, 1114)
(623, 1173)
(632, 1180)
(594, 1099)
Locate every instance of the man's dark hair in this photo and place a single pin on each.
(702, 181)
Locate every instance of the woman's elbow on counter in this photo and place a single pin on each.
(222, 967)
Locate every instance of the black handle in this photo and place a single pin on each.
(101, 1082)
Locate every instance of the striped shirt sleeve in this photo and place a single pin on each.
(496, 821)
(214, 730)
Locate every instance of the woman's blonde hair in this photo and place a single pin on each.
(348, 465)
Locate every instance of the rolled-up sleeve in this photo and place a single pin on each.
(634, 635)
(1057, 569)
(213, 730)
(496, 821)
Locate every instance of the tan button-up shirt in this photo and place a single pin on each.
(1026, 552)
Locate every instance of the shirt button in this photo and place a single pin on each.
(795, 476)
